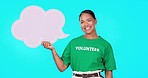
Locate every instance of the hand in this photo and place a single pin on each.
(47, 45)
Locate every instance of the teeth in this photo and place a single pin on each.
(87, 28)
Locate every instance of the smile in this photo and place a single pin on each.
(87, 28)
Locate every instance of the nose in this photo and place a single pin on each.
(86, 24)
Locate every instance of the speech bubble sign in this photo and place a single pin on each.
(36, 25)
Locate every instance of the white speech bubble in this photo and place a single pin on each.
(36, 25)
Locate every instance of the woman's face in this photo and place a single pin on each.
(87, 23)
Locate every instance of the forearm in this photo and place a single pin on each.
(59, 62)
(108, 74)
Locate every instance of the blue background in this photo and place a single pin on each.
(124, 23)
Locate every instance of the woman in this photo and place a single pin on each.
(88, 54)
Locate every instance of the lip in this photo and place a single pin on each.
(87, 28)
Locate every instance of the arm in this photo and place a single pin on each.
(109, 62)
(108, 74)
(59, 62)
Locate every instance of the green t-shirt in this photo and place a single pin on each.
(84, 54)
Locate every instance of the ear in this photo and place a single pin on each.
(95, 21)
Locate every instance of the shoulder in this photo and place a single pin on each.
(77, 39)
(105, 42)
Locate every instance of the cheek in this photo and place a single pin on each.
(92, 23)
(82, 25)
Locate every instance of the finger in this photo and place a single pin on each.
(42, 42)
(47, 44)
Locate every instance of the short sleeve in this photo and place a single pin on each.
(109, 60)
(66, 55)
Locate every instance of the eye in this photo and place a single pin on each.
(89, 20)
(82, 22)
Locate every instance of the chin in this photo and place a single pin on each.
(87, 32)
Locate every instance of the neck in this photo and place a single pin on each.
(91, 35)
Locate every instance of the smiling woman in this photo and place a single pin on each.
(88, 21)
(81, 53)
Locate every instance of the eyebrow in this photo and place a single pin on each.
(86, 19)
